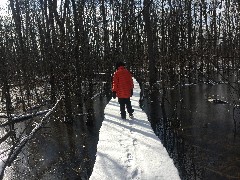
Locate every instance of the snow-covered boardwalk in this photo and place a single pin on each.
(129, 149)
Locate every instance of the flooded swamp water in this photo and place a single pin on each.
(60, 150)
(201, 135)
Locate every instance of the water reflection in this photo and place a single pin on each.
(60, 150)
(200, 136)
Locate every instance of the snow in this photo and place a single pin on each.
(129, 149)
(3, 159)
(3, 3)
(2, 163)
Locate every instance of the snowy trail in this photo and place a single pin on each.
(129, 149)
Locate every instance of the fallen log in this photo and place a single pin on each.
(21, 118)
(16, 149)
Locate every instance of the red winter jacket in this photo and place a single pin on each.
(122, 83)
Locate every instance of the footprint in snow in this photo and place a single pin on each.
(134, 142)
(129, 156)
(135, 174)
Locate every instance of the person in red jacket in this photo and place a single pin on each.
(122, 87)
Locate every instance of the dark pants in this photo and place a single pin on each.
(125, 102)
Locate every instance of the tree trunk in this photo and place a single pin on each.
(150, 42)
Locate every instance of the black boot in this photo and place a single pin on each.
(123, 115)
(131, 112)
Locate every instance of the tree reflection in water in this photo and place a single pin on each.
(61, 150)
(198, 135)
